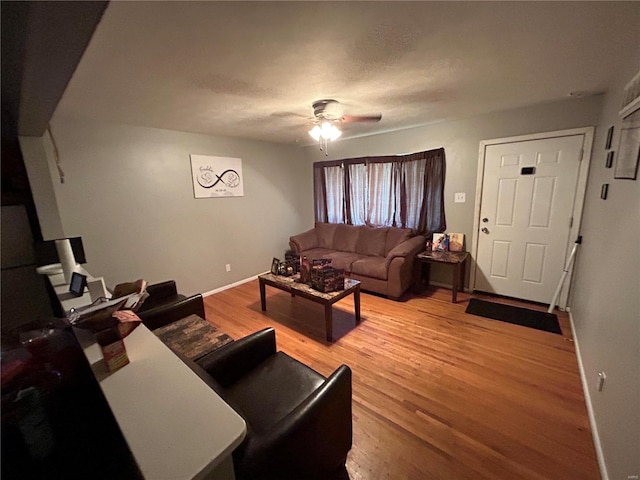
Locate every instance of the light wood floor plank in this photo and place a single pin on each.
(437, 393)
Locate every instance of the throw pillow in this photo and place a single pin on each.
(346, 237)
(325, 232)
(372, 241)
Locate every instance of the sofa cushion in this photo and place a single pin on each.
(343, 259)
(396, 236)
(326, 233)
(346, 237)
(372, 241)
(374, 267)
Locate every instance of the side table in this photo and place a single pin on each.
(456, 260)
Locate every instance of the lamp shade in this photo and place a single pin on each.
(315, 133)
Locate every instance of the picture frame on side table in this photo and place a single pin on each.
(275, 266)
(440, 242)
(456, 242)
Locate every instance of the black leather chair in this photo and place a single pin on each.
(298, 422)
(165, 305)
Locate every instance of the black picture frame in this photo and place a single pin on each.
(609, 138)
(610, 155)
(77, 284)
(275, 266)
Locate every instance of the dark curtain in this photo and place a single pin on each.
(403, 191)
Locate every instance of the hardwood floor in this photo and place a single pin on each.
(437, 393)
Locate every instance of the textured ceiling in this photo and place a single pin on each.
(252, 69)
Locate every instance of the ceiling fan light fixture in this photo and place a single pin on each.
(327, 132)
(315, 132)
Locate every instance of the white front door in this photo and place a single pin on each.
(525, 215)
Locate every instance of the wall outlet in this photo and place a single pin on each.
(228, 267)
(460, 197)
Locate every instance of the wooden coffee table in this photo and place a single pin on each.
(288, 284)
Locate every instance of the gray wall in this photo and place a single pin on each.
(605, 303)
(461, 140)
(128, 193)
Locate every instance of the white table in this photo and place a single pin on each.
(176, 426)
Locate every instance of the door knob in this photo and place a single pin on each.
(485, 219)
(485, 230)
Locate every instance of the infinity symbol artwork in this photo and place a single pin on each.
(229, 177)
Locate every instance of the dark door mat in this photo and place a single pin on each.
(519, 316)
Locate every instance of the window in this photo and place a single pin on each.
(402, 191)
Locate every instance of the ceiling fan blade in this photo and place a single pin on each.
(287, 114)
(361, 118)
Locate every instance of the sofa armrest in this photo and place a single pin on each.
(399, 263)
(167, 313)
(409, 247)
(325, 414)
(232, 361)
(304, 241)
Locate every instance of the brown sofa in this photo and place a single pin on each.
(381, 258)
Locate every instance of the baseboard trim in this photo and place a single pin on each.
(231, 285)
(464, 289)
(587, 396)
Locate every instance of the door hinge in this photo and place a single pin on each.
(571, 222)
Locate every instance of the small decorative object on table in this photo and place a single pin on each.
(285, 269)
(305, 273)
(113, 349)
(325, 278)
(275, 266)
(291, 257)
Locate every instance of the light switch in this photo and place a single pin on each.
(459, 197)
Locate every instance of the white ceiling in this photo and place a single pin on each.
(252, 69)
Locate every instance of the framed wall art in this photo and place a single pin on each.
(609, 162)
(629, 147)
(609, 138)
(216, 176)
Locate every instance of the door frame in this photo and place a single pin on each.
(578, 205)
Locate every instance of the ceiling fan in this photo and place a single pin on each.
(333, 111)
(327, 113)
